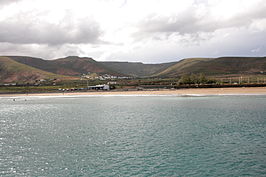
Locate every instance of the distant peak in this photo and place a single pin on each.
(73, 57)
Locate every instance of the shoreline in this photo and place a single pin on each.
(164, 92)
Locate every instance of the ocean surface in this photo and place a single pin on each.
(133, 136)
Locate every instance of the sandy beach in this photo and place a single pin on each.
(197, 91)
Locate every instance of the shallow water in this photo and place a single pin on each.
(133, 136)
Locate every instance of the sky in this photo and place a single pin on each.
(149, 31)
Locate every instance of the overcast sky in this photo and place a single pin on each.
(150, 31)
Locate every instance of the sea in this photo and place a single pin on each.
(137, 135)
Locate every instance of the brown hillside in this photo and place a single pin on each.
(71, 66)
(217, 66)
(12, 71)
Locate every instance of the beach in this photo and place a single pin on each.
(192, 91)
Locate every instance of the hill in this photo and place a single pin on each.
(71, 66)
(137, 69)
(216, 66)
(28, 69)
(12, 71)
(76, 66)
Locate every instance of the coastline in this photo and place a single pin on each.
(164, 92)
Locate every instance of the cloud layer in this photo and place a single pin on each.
(6, 2)
(33, 31)
(135, 30)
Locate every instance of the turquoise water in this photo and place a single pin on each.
(133, 136)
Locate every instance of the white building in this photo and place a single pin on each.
(99, 87)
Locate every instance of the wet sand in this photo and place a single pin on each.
(193, 91)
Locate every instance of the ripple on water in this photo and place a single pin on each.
(133, 136)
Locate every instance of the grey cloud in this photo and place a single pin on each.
(189, 23)
(43, 50)
(28, 30)
(240, 42)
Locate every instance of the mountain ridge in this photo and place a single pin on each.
(77, 66)
(71, 65)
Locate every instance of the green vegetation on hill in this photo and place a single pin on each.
(195, 79)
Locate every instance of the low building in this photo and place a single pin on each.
(99, 87)
(112, 83)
